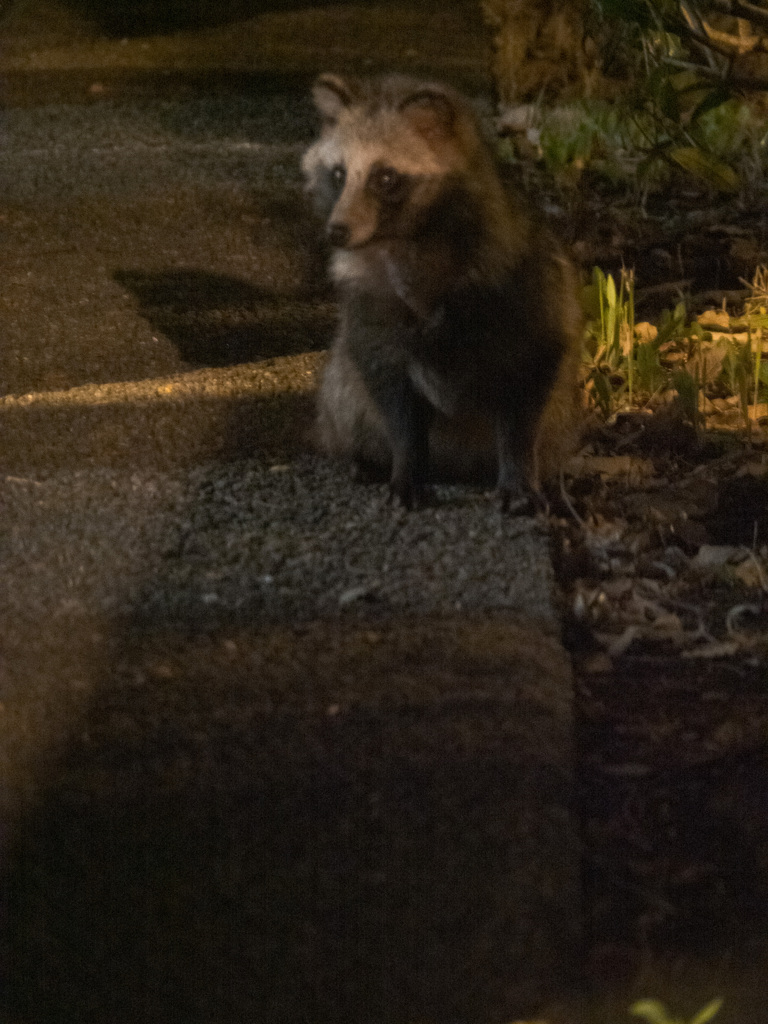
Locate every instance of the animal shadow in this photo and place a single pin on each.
(217, 320)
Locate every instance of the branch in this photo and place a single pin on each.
(710, 44)
(745, 82)
(756, 15)
(741, 9)
(696, 30)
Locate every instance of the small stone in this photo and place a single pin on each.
(352, 595)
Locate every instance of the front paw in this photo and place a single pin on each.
(407, 493)
(363, 471)
(517, 495)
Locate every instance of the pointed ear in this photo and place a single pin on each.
(431, 112)
(332, 94)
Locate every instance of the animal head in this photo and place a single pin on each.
(389, 150)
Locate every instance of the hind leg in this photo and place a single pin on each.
(518, 482)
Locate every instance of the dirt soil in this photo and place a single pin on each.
(663, 564)
(665, 597)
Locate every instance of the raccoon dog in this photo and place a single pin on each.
(460, 329)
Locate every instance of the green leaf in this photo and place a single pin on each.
(668, 101)
(652, 168)
(590, 301)
(650, 373)
(688, 390)
(626, 10)
(610, 291)
(602, 391)
(609, 326)
(708, 1012)
(653, 1011)
(705, 167)
(655, 80)
(696, 331)
(714, 98)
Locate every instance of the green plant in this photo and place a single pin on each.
(681, 120)
(590, 133)
(692, 376)
(656, 1013)
(628, 363)
(744, 370)
(741, 369)
(687, 97)
(610, 341)
(684, 106)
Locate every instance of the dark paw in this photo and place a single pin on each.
(409, 495)
(366, 472)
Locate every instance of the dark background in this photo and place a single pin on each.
(121, 18)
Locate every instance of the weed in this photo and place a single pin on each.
(627, 364)
(656, 1013)
(610, 340)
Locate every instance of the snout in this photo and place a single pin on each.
(354, 220)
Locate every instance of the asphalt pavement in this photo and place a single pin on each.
(271, 749)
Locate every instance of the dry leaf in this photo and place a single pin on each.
(759, 468)
(617, 587)
(750, 573)
(713, 556)
(617, 645)
(714, 318)
(645, 332)
(612, 465)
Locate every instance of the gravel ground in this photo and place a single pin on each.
(281, 541)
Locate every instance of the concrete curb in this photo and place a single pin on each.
(329, 823)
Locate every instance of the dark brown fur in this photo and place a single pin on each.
(460, 328)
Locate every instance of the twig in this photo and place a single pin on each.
(734, 614)
(756, 15)
(729, 296)
(736, 81)
(22, 480)
(701, 631)
(710, 45)
(654, 290)
(697, 32)
(759, 568)
(568, 503)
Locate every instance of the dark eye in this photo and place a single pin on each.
(338, 175)
(386, 181)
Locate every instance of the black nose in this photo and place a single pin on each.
(338, 234)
